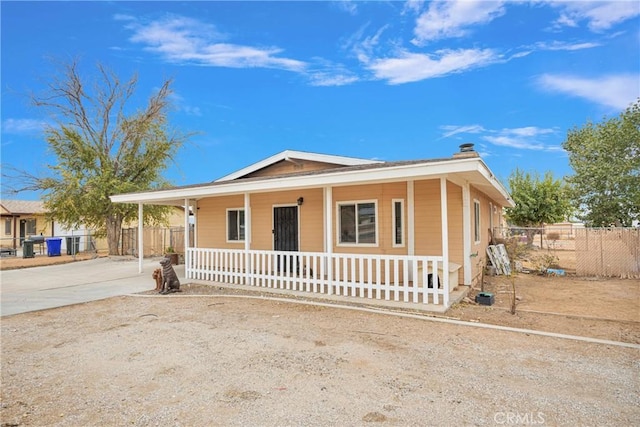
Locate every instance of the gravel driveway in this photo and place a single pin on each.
(205, 360)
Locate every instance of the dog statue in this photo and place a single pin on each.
(170, 282)
(157, 276)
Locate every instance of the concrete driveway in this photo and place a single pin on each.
(39, 288)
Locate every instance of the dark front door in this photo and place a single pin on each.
(285, 228)
(23, 230)
(285, 237)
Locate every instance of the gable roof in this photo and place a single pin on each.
(288, 155)
(460, 170)
(16, 207)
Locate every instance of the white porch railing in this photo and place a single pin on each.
(388, 277)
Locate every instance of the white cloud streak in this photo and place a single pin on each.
(600, 15)
(331, 79)
(447, 19)
(522, 138)
(451, 130)
(184, 40)
(615, 91)
(23, 126)
(411, 67)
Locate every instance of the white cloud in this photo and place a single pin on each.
(180, 103)
(616, 91)
(184, 40)
(446, 19)
(363, 47)
(565, 46)
(411, 67)
(412, 6)
(599, 15)
(332, 79)
(348, 6)
(528, 131)
(451, 130)
(522, 138)
(23, 126)
(513, 142)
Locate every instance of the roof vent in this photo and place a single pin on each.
(466, 150)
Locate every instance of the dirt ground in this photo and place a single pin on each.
(213, 356)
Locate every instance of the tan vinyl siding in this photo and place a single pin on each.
(456, 232)
(310, 218)
(212, 227)
(485, 211)
(212, 221)
(428, 229)
(382, 194)
(285, 167)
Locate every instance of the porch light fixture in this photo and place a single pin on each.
(300, 201)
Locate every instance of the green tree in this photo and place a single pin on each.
(537, 200)
(101, 150)
(605, 158)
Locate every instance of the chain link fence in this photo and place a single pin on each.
(608, 252)
(599, 252)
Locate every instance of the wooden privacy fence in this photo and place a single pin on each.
(156, 240)
(608, 252)
(398, 278)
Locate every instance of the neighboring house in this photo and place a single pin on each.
(21, 219)
(338, 225)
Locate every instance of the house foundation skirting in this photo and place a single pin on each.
(402, 279)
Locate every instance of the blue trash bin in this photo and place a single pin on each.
(53, 246)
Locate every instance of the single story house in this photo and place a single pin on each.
(21, 219)
(29, 219)
(407, 231)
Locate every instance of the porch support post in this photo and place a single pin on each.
(195, 223)
(186, 238)
(328, 220)
(411, 241)
(445, 239)
(466, 232)
(328, 235)
(140, 237)
(247, 221)
(247, 238)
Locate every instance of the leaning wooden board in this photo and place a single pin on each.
(499, 259)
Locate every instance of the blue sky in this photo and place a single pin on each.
(380, 80)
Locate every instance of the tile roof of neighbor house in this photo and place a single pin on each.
(23, 206)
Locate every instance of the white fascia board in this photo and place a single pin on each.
(292, 154)
(336, 178)
(489, 176)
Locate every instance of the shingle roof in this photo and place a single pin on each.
(23, 206)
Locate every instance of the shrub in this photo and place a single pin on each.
(545, 261)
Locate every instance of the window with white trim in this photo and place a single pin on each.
(397, 215)
(476, 221)
(235, 225)
(7, 226)
(357, 223)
